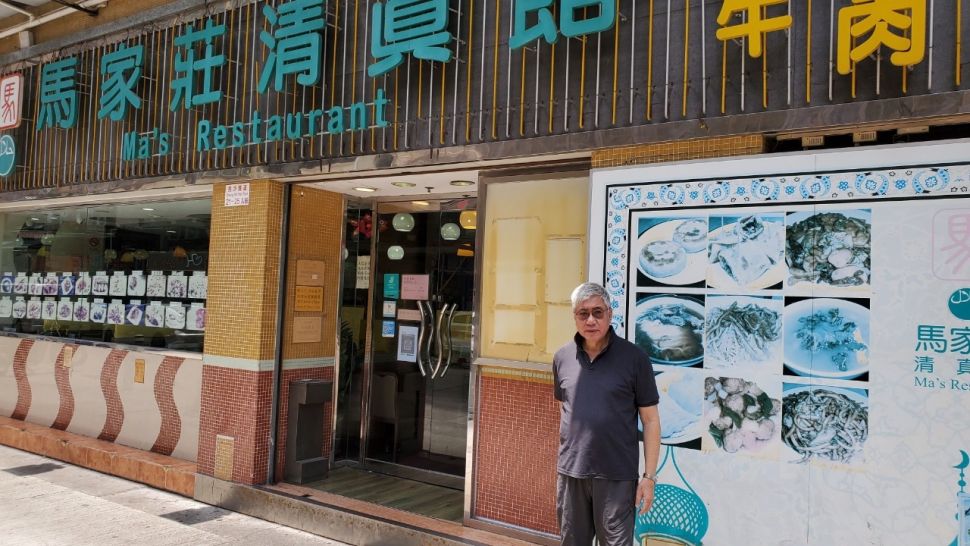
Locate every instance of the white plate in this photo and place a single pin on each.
(718, 278)
(654, 301)
(819, 364)
(853, 395)
(775, 348)
(696, 263)
(667, 379)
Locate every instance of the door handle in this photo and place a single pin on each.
(451, 318)
(438, 341)
(422, 335)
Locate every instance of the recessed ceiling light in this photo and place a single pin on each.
(462, 183)
(35, 219)
(147, 209)
(170, 231)
(365, 189)
(403, 184)
(420, 203)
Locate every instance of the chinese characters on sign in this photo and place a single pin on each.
(569, 24)
(753, 25)
(951, 244)
(58, 95)
(121, 70)
(874, 22)
(11, 100)
(294, 45)
(186, 66)
(419, 27)
(237, 195)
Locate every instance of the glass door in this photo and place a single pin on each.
(421, 335)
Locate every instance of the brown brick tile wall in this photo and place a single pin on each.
(325, 374)
(62, 378)
(682, 150)
(518, 442)
(171, 426)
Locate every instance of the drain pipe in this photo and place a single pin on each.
(278, 359)
(47, 17)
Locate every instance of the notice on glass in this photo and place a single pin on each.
(237, 195)
(363, 273)
(392, 286)
(407, 344)
(309, 298)
(414, 287)
(307, 329)
(387, 328)
(389, 308)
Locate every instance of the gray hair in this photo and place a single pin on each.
(589, 290)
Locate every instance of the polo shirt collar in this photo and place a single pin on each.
(581, 353)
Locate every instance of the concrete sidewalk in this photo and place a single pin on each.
(44, 501)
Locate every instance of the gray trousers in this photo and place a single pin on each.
(591, 507)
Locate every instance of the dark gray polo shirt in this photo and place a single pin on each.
(598, 435)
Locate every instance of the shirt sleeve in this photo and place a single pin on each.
(557, 390)
(646, 388)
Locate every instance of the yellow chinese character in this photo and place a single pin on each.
(874, 18)
(754, 26)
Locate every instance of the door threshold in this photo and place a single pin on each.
(416, 474)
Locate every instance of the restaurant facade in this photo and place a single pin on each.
(324, 248)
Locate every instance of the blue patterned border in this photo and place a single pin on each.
(897, 183)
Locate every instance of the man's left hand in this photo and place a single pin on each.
(645, 495)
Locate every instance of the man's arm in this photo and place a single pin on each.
(650, 417)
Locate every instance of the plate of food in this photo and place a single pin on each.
(825, 423)
(670, 329)
(746, 251)
(830, 248)
(741, 416)
(826, 337)
(672, 251)
(743, 330)
(681, 405)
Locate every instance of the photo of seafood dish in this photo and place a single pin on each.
(65, 310)
(154, 316)
(20, 285)
(34, 309)
(826, 337)
(198, 287)
(118, 285)
(740, 414)
(746, 251)
(136, 285)
(6, 284)
(82, 287)
(99, 285)
(19, 309)
(6, 307)
(196, 318)
(50, 286)
(681, 405)
(156, 286)
(99, 312)
(825, 423)
(670, 250)
(67, 285)
(829, 248)
(115, 314)
(81, 311)
(670, 329)
(743, 330)
(49, 310)
(177, 287)
(134, 314)
(175, 317)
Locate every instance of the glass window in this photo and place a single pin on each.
(127, 273)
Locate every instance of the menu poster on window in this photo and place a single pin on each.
(808, 317)
(237, 195)
(68, 284)
(392, 286)
(82, 311)
(414, 287)
(134, 313)
(6, 283)
(407, 344)
(82, 286)
(195, 318)
(19, 308)
(99, 311)
(34, 310)
(175, 316)
(363, 273)
(6, 307)
(137, 284)
(116, 313)
(51, 285)
(155, 285)
(154, 315)
(49, 309)
(118, 284)
(21, 284)
(100, 286)
(198, 285)
(65, 309)
(36, 285)
(177, 286)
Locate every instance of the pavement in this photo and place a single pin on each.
(45, 501)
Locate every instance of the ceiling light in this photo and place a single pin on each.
(170, 231)
(403, 184)
(395, 252)
(468, 219)
(450, 232)
(147, 209)
(35, 219)
(421, 203)
(403, 222)
(462, 183)
(365, 189)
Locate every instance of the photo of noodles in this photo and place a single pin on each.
(826, 423)
(742, 330)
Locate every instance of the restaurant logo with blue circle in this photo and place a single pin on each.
(959, 303)
(8, 154)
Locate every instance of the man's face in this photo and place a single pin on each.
(593, 319)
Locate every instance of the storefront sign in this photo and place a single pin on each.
(309, 298)
(293, 82)
(237, 195)
(11, 100)
(8, 154)
(808, 322)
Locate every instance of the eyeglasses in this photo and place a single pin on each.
(597, 313)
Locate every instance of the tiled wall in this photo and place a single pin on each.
(683, 150)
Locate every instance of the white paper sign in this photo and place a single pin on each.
(156, 285)
(407, 344)
(198, 285)
(6, 307)
(237, 195)
(177, 287)
(175, 316)
(118, 285)
(195, 319)
(12, 94)
(154, 315)
(363, 273)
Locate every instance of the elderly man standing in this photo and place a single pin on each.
(603, 382)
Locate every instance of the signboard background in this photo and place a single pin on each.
(904, 489)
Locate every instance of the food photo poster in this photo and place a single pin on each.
(809, 328)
